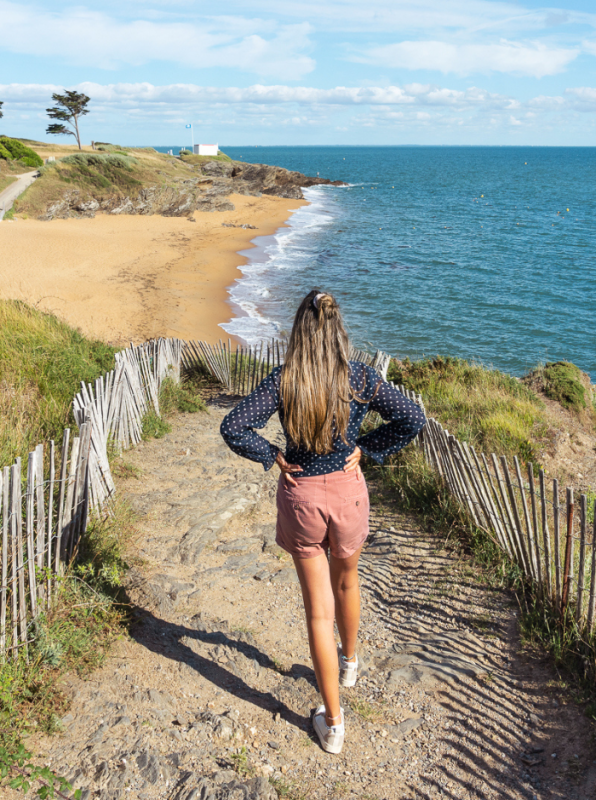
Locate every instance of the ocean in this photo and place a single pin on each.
(484, 253)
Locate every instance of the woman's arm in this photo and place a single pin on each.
(237, 427)
(404, 421)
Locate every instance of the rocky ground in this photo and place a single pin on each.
(210, 695)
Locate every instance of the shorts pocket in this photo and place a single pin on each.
(356, 500)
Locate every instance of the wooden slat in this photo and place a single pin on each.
(529, 539)
(4, 558)
(50, 533)
(518, 530)
(512, 530)
(581, 567)
(14, 595)
(557, 543)
(29, 529)
(17, 537)
(545, 538)
(568, 563)
(534, 519)
(592, 600)
(499, 512)
(61, 494)
(68, 502)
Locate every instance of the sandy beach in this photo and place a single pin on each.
(131, 278)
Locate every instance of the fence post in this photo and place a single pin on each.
(592, 577)
(568, 568)
(583, 509)
(545, 538)
(535, 535)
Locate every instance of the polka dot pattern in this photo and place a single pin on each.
(404, 419)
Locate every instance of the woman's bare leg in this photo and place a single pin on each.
(344, 582)
(319, 606)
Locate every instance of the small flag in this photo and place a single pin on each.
(189, 126)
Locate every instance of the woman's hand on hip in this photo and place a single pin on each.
(353, 462)
(287, 469)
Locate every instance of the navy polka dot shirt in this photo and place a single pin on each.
(404, 420)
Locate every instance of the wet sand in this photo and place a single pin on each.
(131, 278)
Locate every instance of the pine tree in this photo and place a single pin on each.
(69, 108)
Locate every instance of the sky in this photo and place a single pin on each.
(303, 72)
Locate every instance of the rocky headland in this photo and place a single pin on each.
(206, 186)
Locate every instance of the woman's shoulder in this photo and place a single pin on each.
(363, 379)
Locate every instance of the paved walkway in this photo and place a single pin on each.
(210, 696)
(10, 194)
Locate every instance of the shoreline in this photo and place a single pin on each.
(132, 278)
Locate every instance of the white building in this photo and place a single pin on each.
(206, 149)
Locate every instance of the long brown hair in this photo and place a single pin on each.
(315, 379)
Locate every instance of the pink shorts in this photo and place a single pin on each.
(321, 512)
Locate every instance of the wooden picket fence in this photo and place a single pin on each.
(526, 518)
(529, 522)
(44, 513)
(240, 370)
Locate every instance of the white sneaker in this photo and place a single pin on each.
(348, 670)
(331, 738)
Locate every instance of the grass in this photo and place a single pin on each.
(5, 181)
(42, 361)
(173, 397)
(196, 160)
(484, 407)
(364, 710)
(288, 789)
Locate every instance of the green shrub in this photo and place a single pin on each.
(29, 162)
(21, 152)
(562, 382)
(4, 153)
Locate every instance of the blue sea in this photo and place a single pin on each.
(485, 253)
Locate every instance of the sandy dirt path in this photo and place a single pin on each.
(210, 697)
(131, 278)
(9, 195)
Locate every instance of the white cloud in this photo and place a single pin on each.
(420, 16)
(89, 38)
(413, 104)
(181, 94)
(522, 58)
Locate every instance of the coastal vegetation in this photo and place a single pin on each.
(111, 171)
(42, 362)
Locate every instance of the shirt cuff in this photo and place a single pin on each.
(273, 451)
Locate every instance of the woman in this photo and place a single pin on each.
(322, 498)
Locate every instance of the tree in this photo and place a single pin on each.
(69, 108)
(1, 104)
